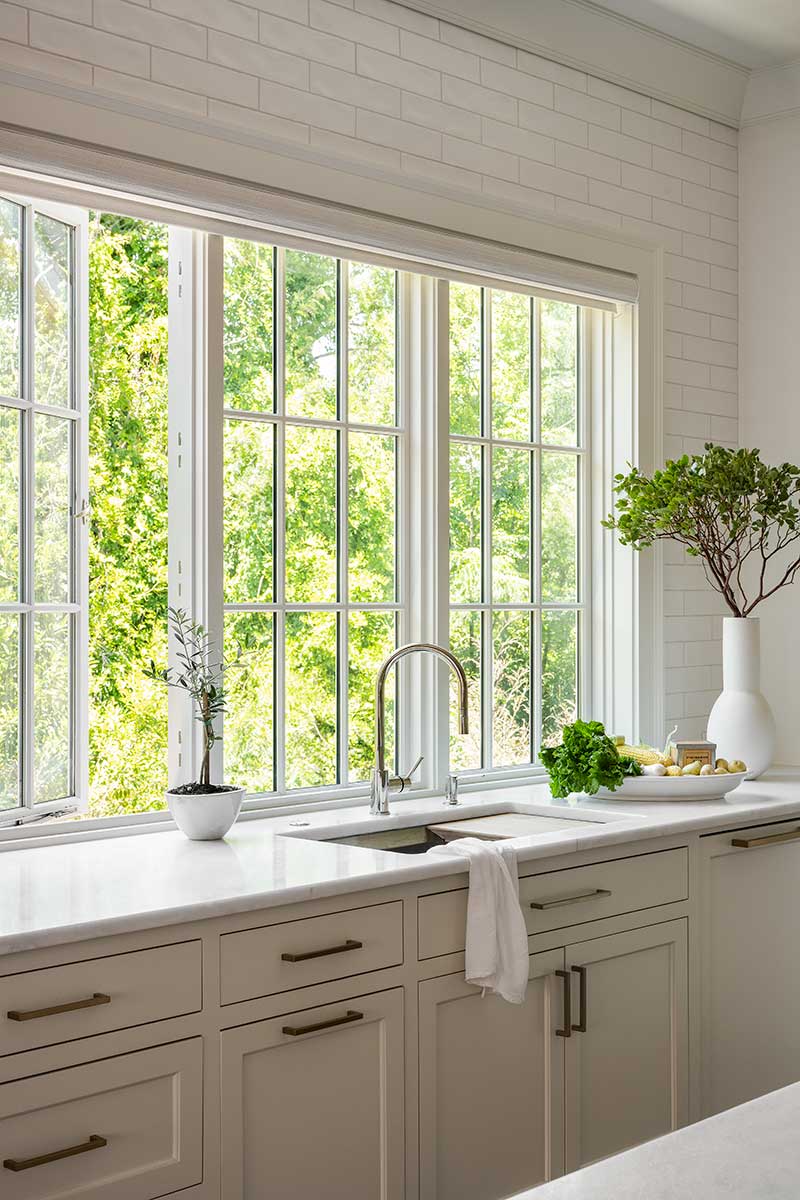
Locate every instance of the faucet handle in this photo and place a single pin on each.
(405, 780)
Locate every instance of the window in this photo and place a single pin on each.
(517, 479)
(319, 457)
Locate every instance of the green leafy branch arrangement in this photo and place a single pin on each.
(201, 675)
(728, 508)
(586, 760)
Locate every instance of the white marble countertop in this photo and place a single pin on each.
(748, 1153)
(68, 892)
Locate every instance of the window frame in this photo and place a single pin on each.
(419, 731)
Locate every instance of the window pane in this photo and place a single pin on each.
(371, 345)
(10, 297)
(371, 638)
(9, 505)
(465, 643)
(9, 711)
(53, 311)
(371, 517)
(248, 326)
(310, 514)
(310, 335)
(248, 511)
(559, 372)
(465, 359)
(559, 527)
(465, 523)
(511, 525)
(128, 485)
(511, 685)
(310, 699)
(248, 727)
(51, 706)
(559, 673)
(511, 365)
(52, 436)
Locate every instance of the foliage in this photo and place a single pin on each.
(201, 677)
(585, 761)
(728, 508)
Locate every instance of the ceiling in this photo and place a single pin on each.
(754, 33)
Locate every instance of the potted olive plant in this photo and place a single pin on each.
(741, 519)
(202, 810)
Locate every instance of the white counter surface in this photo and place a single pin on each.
(748, 1153)
(69, 892)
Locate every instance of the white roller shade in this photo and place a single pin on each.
(61, 170)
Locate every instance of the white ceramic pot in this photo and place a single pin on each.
(741, 722)
(206, 818)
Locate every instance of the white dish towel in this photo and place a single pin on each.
(497, 939)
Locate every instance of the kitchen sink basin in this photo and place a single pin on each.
(418, 839)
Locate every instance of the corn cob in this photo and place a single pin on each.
(645, 755)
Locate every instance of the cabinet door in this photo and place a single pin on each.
(312, 1104)
(750, 969)
(491, 1086)
(626, 1072)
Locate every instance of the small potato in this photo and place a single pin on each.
(674, 770)
(736, 765)
(692, 768)
(706, 769)
(654, 769)
(721, 771)
(723, 762)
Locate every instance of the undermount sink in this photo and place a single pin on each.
(418, 839)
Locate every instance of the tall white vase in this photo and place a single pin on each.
(741, 722)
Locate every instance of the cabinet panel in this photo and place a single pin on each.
(567, 897)
(136, 1118)
(293, 954)
(491, 1086)
(750, 971)
(318, 1113)
(627, 1072)
(98, 995)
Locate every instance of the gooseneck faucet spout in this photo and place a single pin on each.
(382, 784)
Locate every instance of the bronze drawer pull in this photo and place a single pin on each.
(95, 1142)
(594, 894)
(350, 944)
(567, 1030)
(298, 1030)
(582, 1000)
(771, 839)
(33, 1014)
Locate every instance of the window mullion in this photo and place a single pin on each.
(28, 484)
(342, 620)
(487, 622)
(279, 519)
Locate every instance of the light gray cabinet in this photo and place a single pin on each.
(750, 965)
(312, 1103)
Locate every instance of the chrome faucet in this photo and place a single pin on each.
(382, 784)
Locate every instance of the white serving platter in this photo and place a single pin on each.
(663, 788)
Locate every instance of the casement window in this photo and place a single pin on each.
(319, 456)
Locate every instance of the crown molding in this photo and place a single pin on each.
(772, 93)
(613, 47)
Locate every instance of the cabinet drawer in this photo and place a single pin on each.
(277, 958)
(58, 1004)
(566, 897)
(126, 1128)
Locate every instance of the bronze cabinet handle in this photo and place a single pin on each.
(582, 1000)
(299, 1030)
(350, 944)
(594, 894)
(567, 1018)
(33, 1014)
(95, 1142)
(771, 839)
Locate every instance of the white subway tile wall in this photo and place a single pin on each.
(369, 81)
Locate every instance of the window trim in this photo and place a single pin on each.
(629, 254)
